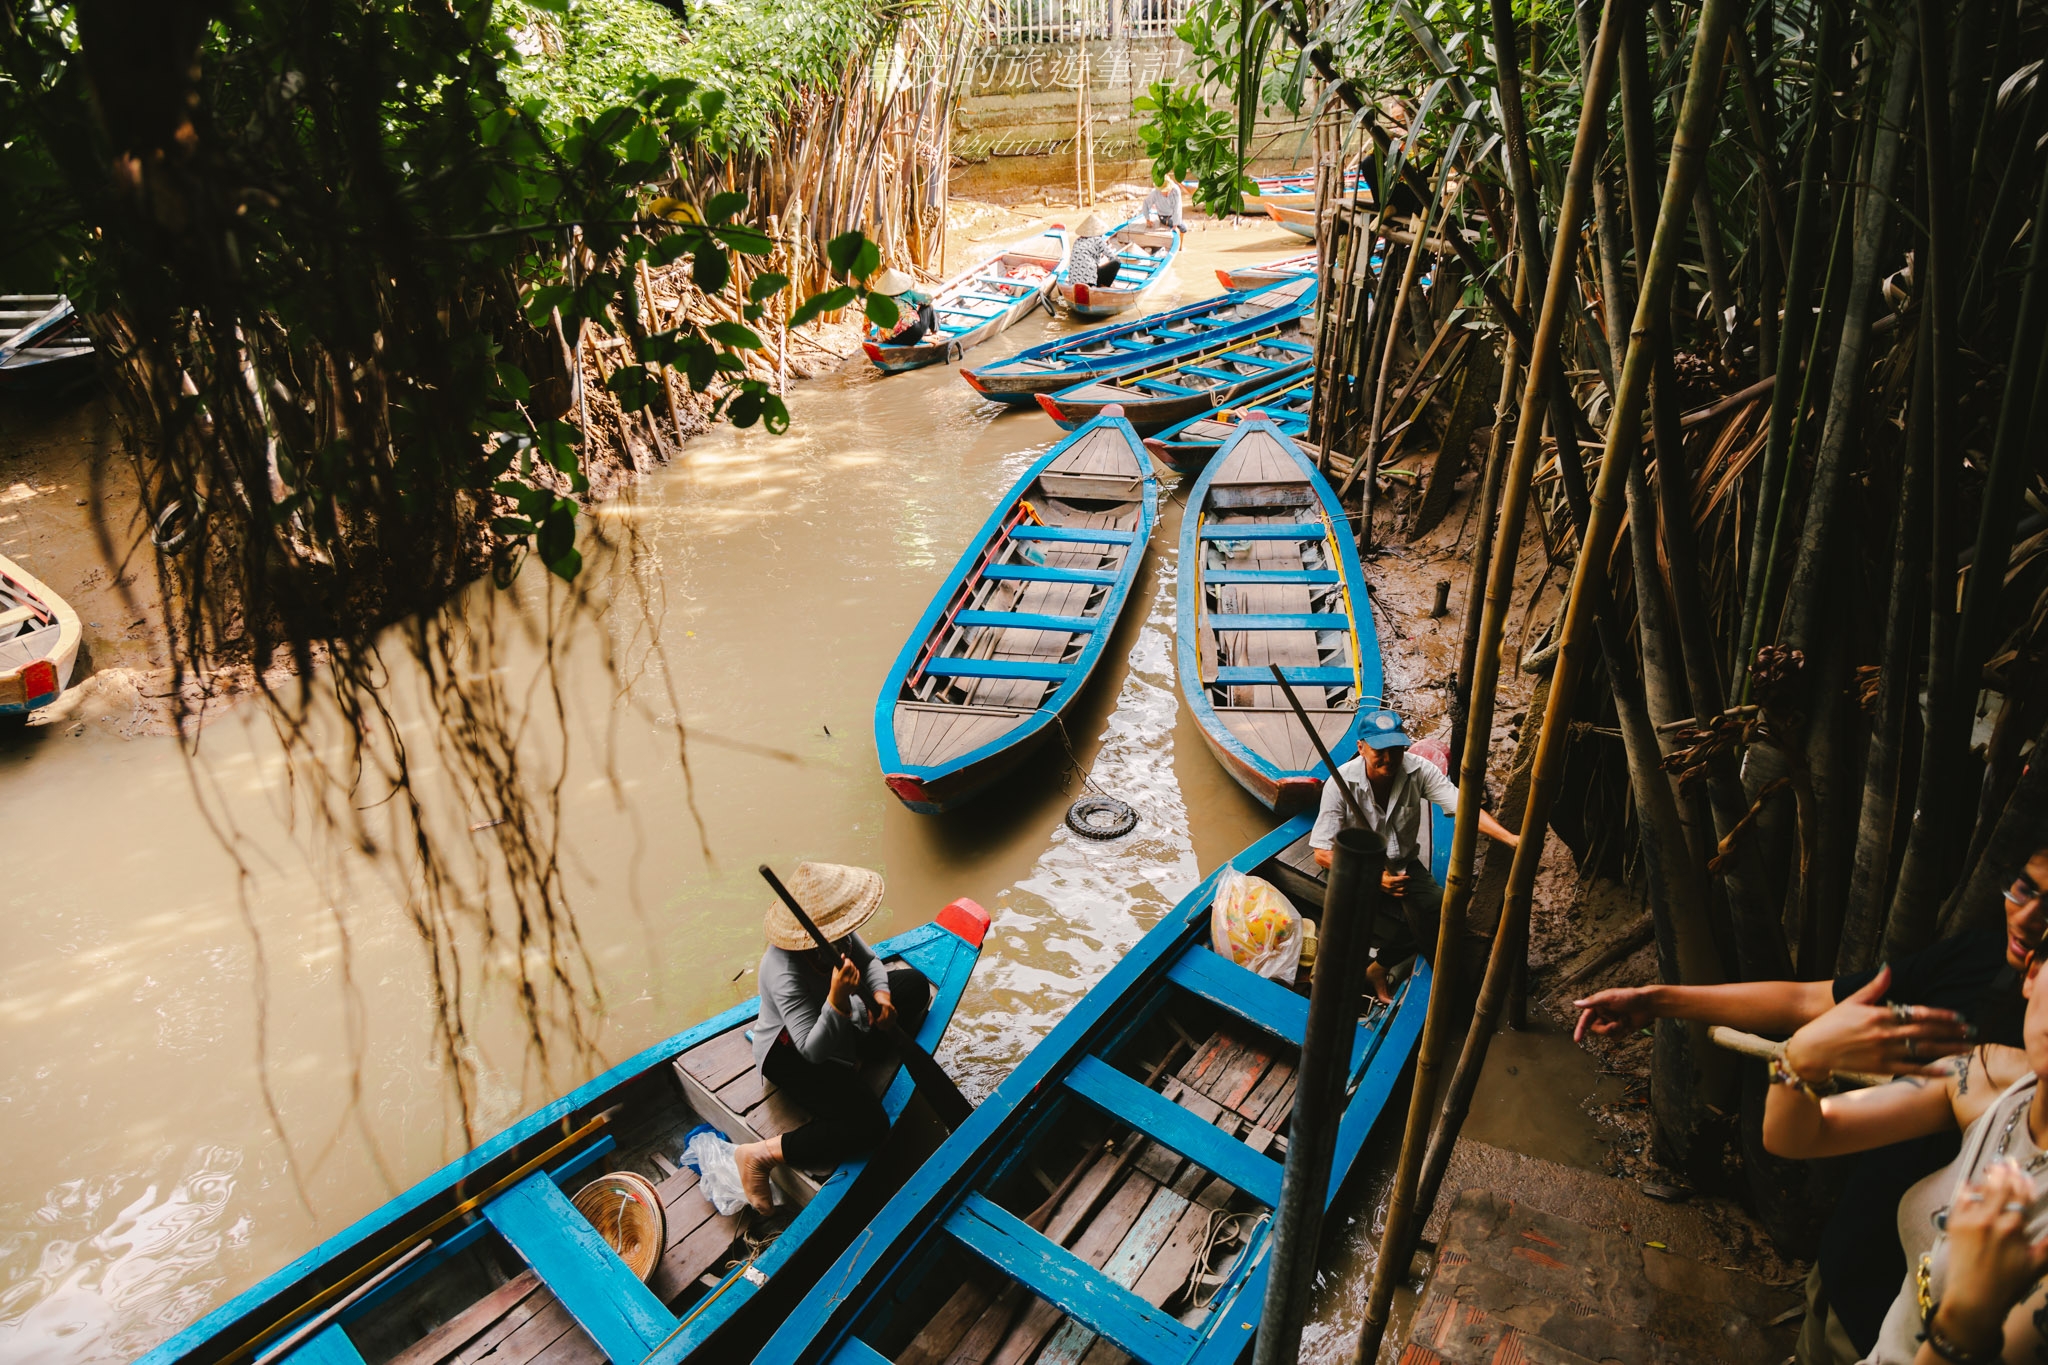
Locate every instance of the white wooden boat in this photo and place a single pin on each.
(38, 642)
(981, 301)
(1144, 255)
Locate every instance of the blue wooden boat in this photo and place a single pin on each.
(489, 1260)
(1158, 396)
(980, 302)
(1144, 255)
(1013, 633)
(1269, 575)
(1112, 1197)
(1098, 351)
(1186, 446)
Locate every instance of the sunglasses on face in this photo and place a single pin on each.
(2023, 893)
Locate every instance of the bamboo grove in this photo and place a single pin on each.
(1742, 305)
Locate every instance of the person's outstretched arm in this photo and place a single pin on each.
(1755, 1006)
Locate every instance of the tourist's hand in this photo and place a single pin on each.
(845, 981)
(1612, 1013)
(1991, 1263)
(1864, 1034)
(885, 1011)
(1394, 883)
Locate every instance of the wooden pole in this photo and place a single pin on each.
(1558, 302)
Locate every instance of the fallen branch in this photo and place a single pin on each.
(1751, 1045)
(1727, 844)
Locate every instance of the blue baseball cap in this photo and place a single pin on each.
(1382, 730)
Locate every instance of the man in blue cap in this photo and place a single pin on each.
(1391, 786)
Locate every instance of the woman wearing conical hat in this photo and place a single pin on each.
(914, 313)
(815, 1029)
(1093, 260)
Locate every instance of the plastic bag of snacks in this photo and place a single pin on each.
(1255, 926)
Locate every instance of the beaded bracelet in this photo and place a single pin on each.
(1783, 1074)
(1949, 1349)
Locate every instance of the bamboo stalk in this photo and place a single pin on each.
(1688, 153)
(1402, 1202)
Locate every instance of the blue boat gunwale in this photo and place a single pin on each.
(1008, 312)
(417, 1199)
(1203, 307)
(1280, 387)
(1358, 603)
(1083, 667)
(911, 1223)
(1216, 345)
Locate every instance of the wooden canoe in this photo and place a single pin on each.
(1270, 272)
(1269, 575)
(980, 302)
(1301, 220)
(44, 346)
(1160, 396)
(1146, 254)
(39, 636)
(1293, 192)
(1112, 1198)
(1059, 364)
(1011, 636)
(488, 1260)
(1187, 446)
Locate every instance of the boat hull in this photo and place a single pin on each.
(957, 296)
(890, 1282)
(989, 670)
(36, 666)
(1299, 221)
(1269, 272)
(1102, 301)
(1056, 365)
(1176, 391)
(1148, 416)
(569, 1141)
(1248, 722)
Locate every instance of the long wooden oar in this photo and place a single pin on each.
(1316, 738)
(951, 1107)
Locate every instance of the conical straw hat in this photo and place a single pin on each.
(892, 281)
(839, 899)
(1091, 226)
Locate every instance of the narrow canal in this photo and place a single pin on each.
(181, 971)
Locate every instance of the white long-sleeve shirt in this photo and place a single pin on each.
(1399, 820)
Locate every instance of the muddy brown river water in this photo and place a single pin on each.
(185, 1015)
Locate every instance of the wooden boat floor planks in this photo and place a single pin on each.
(980, 302)
(513, 1274)
(1145, 254)
(1269, 575)
(1112, 1198)
(39, 635)
(1164, 395)
(1011, 636)
(1187, 446)
(1119, 346)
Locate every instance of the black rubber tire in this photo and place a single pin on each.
(1101, 817)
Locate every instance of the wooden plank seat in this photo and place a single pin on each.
(1266, 530)
(1091, 487)
(607, 1300)
(1226, 577)
(1134, 1213)
(1046, 573)
(1175, 1128)
(1067, 1282)
(1085, 535)
(1025, 620)
(329, 1346)
(1018, 669)
(1274, 620)
(1267, 1004)
(1314, 676)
